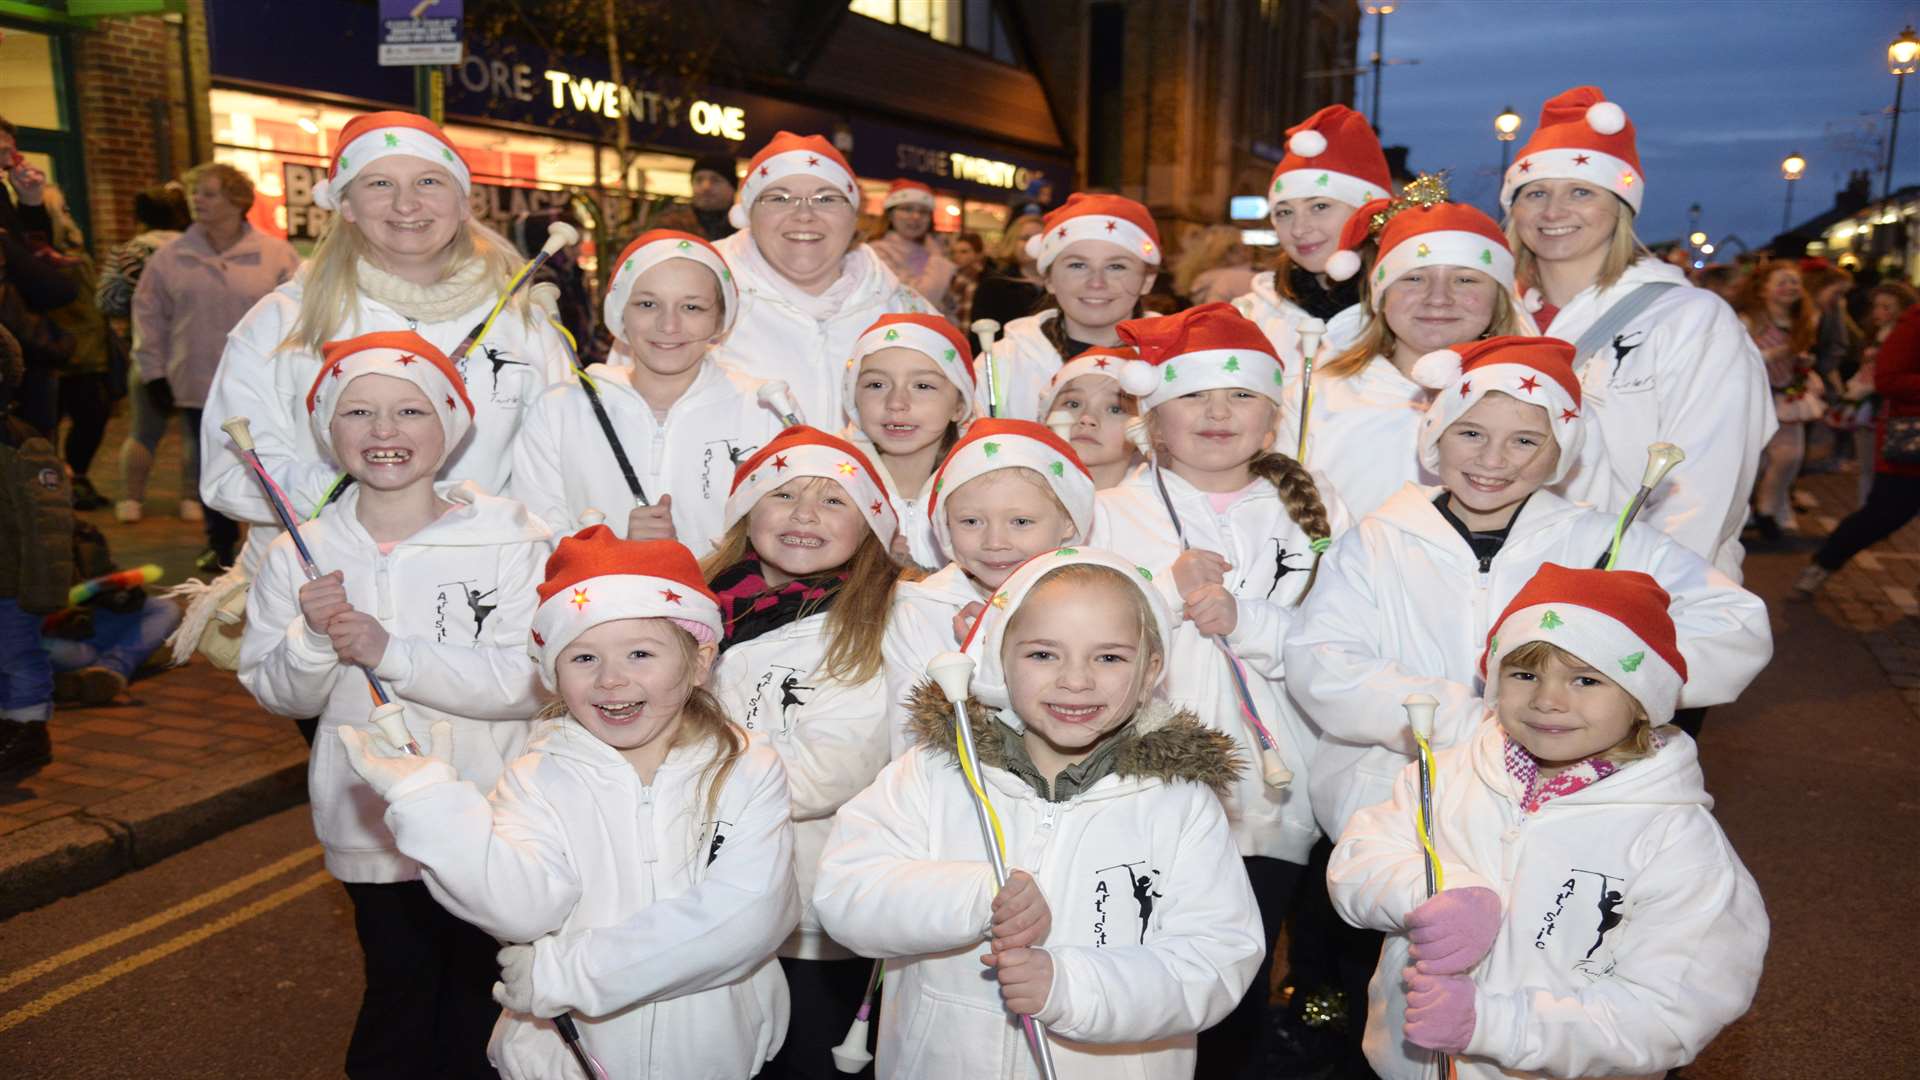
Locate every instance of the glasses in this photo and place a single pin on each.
(824, 202)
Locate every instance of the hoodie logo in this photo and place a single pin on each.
(472, 597)
(1624, 344)
(719, 838)
(1280, 567)
(1133, 879)
(1608, 897)
(498, 358)
(790, 699)
(735, 452)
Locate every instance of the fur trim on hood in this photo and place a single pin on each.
(1161, 743)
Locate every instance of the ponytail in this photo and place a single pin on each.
(1301, 496)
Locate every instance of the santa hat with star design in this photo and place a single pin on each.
(805, 451)
(989, 631)
(402, 354)
(1615, 621)
(1333, 153)
(1413, 237)
(649, 250)
(908, 193)
(991, 445)
(595, 577)
(1104, 360)
(809, 156)
(1582, 136)
(1209, 347)
(1533, 370)
(930, 335)
(1112, 219)
(371, 136)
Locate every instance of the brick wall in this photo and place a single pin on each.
(122, 67)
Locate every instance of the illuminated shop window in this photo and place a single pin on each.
(970, 24)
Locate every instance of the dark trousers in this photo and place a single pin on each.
(1329, 952)
(85, 401)
(825, 995)
(1236, 1047)
(223, 533)
(1892, 503)
(428, 1009)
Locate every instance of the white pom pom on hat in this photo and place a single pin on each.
(1137, 377)
(1036, 243)
(737, 215)
(1533, 301)
(1438, 368)
(1342, 264)
(1308, 143)
(1606, 118)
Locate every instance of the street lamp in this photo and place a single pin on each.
(1379, 13)
(1697, 238)
(1791, 169)
(1903, 56)
(1506, 127)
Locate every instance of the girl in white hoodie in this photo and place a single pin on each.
(1233, 532)
(1593, 920)
(680, 419)
(1098, 255)
(1127, 926)
(804, 577)
(430, 587)
(1007, 492)
(640, 852)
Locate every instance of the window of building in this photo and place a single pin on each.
(969, 24)
(30, 80)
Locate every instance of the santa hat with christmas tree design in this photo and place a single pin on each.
(808, 156)
(907, 193)
(1209, 347)
(403, 355)
(805, 451)
(991, 445)
(930, 335)
(649, 250)
(1582, 136)
(1333, 154)
(595, 577)
(1112, 219)
(372, 136)
(1532, 370)
(1615, 621)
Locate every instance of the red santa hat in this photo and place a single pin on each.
(1209, 347)
(402, 354)
(649, 250)
(1616, 621)
(1333, 153)
(595, 577)
(1534, 370)
(931, 335)
(1111, 219)
(990, 445)
(1582, 136)
(371, 136)
(1416, 236)
(989, 632)
(804, 451)
(908, 193)
(1104, 360)
(787, 155)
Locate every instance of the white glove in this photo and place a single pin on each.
(514, 991)
(391, 771)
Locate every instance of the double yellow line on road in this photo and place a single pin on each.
(53, 998)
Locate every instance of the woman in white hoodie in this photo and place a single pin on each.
(1592, 919)
(1660, 360)
(401, 252)
(640, 850)
(1126, 925)
(429, 587)
(806, 290)
(679, 420)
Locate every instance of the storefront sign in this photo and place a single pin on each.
(494, 205)
(417, 32)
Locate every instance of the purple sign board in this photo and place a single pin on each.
(416, 32)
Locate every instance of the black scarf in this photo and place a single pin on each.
(750, 607)
(1320, 301)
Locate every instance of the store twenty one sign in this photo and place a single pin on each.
(494, 205)
(986, 172)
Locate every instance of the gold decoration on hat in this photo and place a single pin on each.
(1424, 191)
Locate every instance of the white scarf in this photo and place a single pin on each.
(461, 290)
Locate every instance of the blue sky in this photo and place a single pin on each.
(1719, 90)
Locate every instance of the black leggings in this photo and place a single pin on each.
(1236, 1047)
(84, 399)
(428, 1009)
(1892, 503)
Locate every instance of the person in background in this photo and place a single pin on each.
(1215, 267)
(716, 179)
(39, 285)
(1720, 279)
(100, 644)
(86, 394)
(191, 294)
(1858, 403)
(1835, 345)
(1010, 285)
(1785, 326)
(162, 213)
(905, 241)
(36, 527)
(969, 255)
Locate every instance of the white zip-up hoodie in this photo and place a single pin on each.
(831, 736)
(503, 373)
(1630, 931)
(1403, 607)
(1364, 434)
(1155, 935)
(563, 465)
(1272, 561)
(1684, 371)
(1279, 318)
(654, 922)
(457, 598)
(919, 628)
(806, 342)
(1024, 362)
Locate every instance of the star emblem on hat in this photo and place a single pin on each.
(813, 162)
(1101, 362)
(579, 599)
(1423, 251)
(1111, 226)
(998, 600)
(1626, 179)
(874, 507)
(669, 596)
(1466, 387)
(1526, 165)
(407, 359)
(846, 468)
(449, 401)
(1530, 384)
(392, 139)
(1581, 159)
(338, 369)
(780, 463)
(537, 639)
(1568, 414)
(1062, 234)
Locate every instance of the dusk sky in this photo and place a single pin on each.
(1719, 90)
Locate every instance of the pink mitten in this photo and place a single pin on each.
(1453, 930)
(1439, 1011)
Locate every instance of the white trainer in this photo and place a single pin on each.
(128, 511)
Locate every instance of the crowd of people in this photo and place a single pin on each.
(1013, 646)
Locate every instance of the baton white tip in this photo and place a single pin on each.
(1420, 709)
(1273, 769)
(952, 671)
(559, 235)
(239, 429)
(851, 1055)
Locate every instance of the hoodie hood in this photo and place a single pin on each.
(1160, 743)
(1411, 510)
(1671, 777)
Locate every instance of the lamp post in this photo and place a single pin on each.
(1379, 12)
(1506, 127)
(1903, 56)
(1791, 169)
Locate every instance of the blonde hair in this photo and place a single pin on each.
(1640, 741)
(1093, 575)
(1378, 338)
(1624, 250)
(330, 281)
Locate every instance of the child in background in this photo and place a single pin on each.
(1098, 255)
(1594, 919)
(641, 848)
(1093, 410)
(908, 393)
(804, 579)
(1128, 925)
(1233, 537)
(435, 598)
(682, 415)
(1007, 492)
